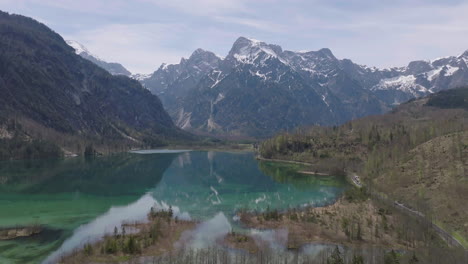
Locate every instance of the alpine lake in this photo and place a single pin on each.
(78, 200)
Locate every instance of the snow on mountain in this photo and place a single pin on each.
(405, 83)
(251, 51)
(111, 67)
(423, 77)
(140, 76)
(80, 48)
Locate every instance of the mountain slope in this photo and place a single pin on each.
(259, 89)
(416, 154)
(51, 91)
(112, 67)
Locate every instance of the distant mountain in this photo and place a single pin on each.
(112, 67)
(49, 92)
(421, 78)
(259, 88)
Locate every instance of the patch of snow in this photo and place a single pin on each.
(324, 99)
(140, 77)
(183, 119)
(219, 98)
(80, 48)
(251, 52)
(450, 70)
(439, 58)
(404, 83)
(433, 74)
(308, 70)
(219, 77)
(255, 41)
(445, 71)
(257, 73)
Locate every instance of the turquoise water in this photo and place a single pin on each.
(77, 200)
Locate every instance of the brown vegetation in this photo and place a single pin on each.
(416, 154)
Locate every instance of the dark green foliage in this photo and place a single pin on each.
(391, 258)
(454, 98)
(18, 148)
(359, 232)
(88, 249)
(155, 231)
(357, 259)
(110, 246)
(164, 214)
(355, 195)
(89, 151)
(132, 245)
(271, 214)
(413, 259)
(335, 257)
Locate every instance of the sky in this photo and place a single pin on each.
(143, 34)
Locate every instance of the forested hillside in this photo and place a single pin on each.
(51, 96)
(418, 153)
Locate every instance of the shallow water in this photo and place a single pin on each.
(78, 200)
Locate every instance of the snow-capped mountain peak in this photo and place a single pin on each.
(112, 67)
(79, 48)
(246, 50)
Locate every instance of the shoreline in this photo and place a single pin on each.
(352, 178)
(284, 161)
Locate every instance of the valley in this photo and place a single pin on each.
(265, 155)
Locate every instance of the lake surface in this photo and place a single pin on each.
(77, 200)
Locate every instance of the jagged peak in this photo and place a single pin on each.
(199, 51)
(247, 49)
(323, 52)
(464, 54)
(327, 52)
(205, 53)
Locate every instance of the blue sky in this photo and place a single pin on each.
(142, 34)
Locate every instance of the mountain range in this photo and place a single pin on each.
(255, 91)
(259, 88)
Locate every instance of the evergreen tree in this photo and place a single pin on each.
(391, 258)
(335, 257)
(413, 259)
(357, 259)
